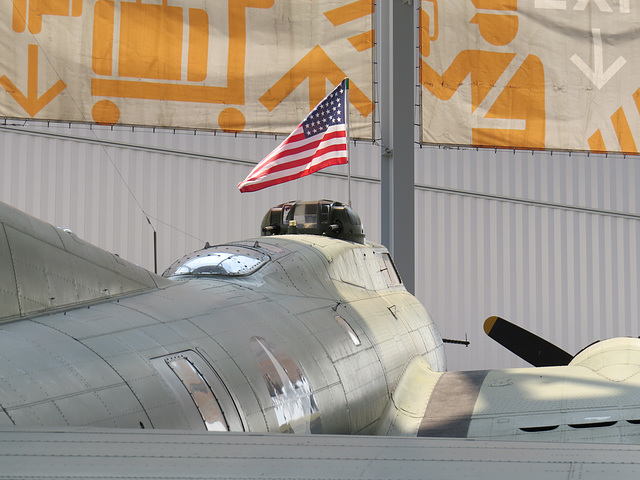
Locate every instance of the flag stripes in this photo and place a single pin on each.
(298, 159)
(318, 142)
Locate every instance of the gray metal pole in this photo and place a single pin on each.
(397, 87)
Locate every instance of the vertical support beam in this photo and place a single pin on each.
(397, 87)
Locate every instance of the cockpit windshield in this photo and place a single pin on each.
(230, 260)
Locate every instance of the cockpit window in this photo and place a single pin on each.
(389, 270)
(231, 260)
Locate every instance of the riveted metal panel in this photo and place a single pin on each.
(241, 391)
(112, 407)
(8, 287)
(46, 413)
(27, 346)
(5, 420)
(335, 339)
(364, 386)
(30, 226)
(44, 386)
(335, 417)
(48, 274)
(86, 322)
(389, 335)
(48, 455)
(29, 261)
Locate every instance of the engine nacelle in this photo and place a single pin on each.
(615, 359)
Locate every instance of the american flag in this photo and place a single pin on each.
(318, 142)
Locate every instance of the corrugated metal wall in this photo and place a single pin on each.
(548, 241)
(103, 184)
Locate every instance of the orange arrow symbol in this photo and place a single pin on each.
(318, 67)
(32, 104)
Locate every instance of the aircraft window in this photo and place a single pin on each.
(389, 270)
(593, 425)
(201, 393)
(343, 323)
(539, 429)
(221, 260)
(574, 425)
(306, 216)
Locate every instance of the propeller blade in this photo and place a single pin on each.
(528, 346)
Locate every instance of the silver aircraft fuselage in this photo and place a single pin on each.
(289, 332)
(302, 334)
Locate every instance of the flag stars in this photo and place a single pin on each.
(327, 113)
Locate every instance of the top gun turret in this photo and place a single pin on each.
(323, 217)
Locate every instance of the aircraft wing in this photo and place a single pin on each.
(161, 454)
(44, 269)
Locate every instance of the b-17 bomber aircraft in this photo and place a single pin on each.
(306, 329)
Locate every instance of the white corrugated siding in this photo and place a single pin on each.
(547, 241)
(102, 191)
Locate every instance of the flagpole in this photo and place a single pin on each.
(347, 121)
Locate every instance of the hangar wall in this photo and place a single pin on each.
(546, 240)
(102, 183)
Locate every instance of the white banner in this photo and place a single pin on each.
(231, 65)
(534, 74)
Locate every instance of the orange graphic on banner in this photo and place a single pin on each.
(151, 48)
(160, 50)
(623, 132)
(363, 41)
(38, 8)
(151, 41)
(622, 129)
(31, 103)
(350, 12)
(497, 29)
(596, 143)
(198, 45)
(484, 67)
(318, 67)
(522, 99)
(425, 33)
(496, 4)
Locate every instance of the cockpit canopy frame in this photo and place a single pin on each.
(224, 260)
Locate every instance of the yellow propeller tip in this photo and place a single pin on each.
(489, 323)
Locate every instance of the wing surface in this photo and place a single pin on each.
(155, 454)
(44, 268)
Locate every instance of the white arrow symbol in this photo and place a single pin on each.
(598, 76)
